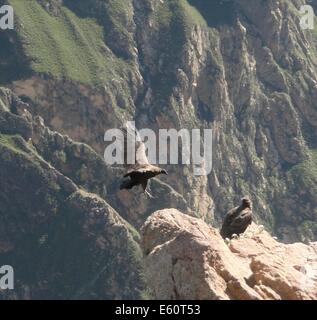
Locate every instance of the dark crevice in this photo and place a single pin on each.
(204, 112)
(216, 12)
(14, 65)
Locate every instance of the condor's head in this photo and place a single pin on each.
(246, 202)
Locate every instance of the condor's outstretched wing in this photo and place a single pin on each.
(134, 154)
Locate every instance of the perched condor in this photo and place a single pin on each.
(237, 220)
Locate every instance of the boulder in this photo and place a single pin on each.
(187, 259)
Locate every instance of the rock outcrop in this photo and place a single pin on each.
(187, 259)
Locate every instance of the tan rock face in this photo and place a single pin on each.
(187, 259)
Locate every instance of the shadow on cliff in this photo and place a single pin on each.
(14, 64)
(216, 12)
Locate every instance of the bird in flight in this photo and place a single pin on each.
(142, 171)
(237, 219)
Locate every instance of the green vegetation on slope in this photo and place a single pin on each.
(65, 46)
(305, 200)
(89, 42)
(116, 17)
(188, 14)
(216, 12)
(15, 143)
(305, 173)
(174, 19)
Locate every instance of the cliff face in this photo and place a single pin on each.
(187, 259)
(244, 69)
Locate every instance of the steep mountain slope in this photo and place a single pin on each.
(243, 68)
(63, 242)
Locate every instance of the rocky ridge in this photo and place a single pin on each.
(62, 241)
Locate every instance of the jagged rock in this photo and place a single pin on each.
(13, 123)
(187, 259)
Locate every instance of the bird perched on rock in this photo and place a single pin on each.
(142, 171)
(237, 220)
